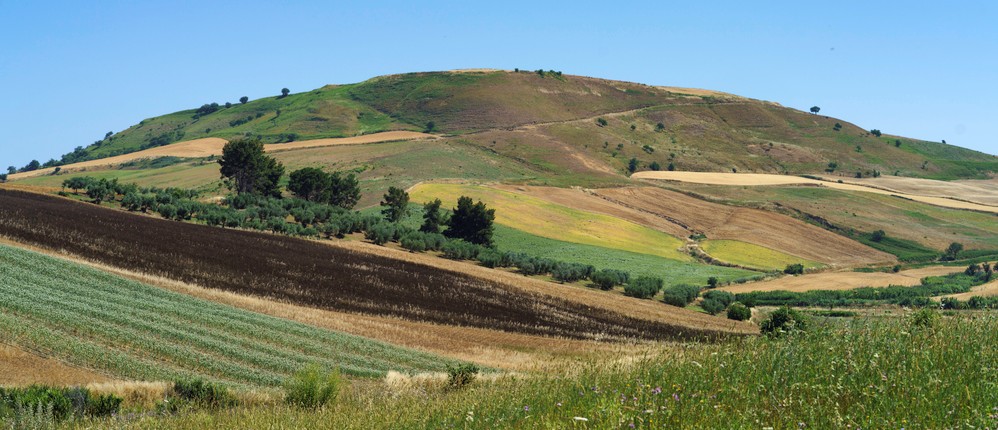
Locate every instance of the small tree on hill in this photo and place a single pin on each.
(309, 183)
(794, 269)
(285, 92)
(430, 126)
(344, 191)
(952, 251)
(3, 177)
(243, 99)
(632, 165)
(396, 204)
(601, 122)
(659, 127)
(249, 170)
(471, 222)
(876, 132)
(739, 312)
(433, 217)
(878, 235)
(815, 110)
(33, 165)
(11, 169)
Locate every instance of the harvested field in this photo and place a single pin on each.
(19, 367)
(554, 221)
(986, 290)
(745, 254)
(128, 329)
(767, 229)
(843, 280)
(978, 191)
(754, 179)
(313, 274)
(208, 146)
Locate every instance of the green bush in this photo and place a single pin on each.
(643, 287)
(380, 234)
(413, 242)
(723, 297)
(784, 320)
(794, 269)
(712, 306)
(202, 393)
(606, 279)
(461, 375)
(312, 387)
(681, 294)
(739, 312)
(924, 319)
(571, 272)
(457, 249)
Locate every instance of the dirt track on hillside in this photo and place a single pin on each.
(771, 230)
(199, 148)
(843, 280)
(755, 179)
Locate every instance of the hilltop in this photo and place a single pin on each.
(575, 129)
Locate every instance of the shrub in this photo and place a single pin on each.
(723, 297)
(643, 287)
(878, 236)
(606, 279)
(739, 312)
(461, 375)
(712, 306)
(413, 242)
(312, 388)
(380, 234)
(571, 272)
(794, 269)
(460, 250)
(712, 282)
(925, 319)
(202, 393)
(784, 320)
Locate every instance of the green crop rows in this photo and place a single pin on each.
(132, 330)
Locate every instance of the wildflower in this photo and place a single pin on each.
(675, 396)
(559, 404)
(631, 425)
(657, 391)
(526, 408)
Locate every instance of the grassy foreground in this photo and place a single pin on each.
(880, 373)
(131, 330)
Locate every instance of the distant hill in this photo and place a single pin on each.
(571, 124)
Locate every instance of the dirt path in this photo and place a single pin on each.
(843, 280)
(756, 179)
(199, 148)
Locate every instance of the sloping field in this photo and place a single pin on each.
(843, 280)
(554, 221)
(209, 146)
(978, 191)
(986, 290)
(19, 367)
(753, 256)
(763, 228)
(754, 179)
(310, 273)
(128, 329)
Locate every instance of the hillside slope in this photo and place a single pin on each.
(566, 125)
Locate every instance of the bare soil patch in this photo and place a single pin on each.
(19, 367)
(771, 230)
(843, 280)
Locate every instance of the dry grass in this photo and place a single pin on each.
(759, 227)
(977, 191)
(843, 280)
(19, 368)
(986, 290)
(209, 146)
(755, 179)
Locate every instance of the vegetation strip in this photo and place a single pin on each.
(306, 272)
(133, 330)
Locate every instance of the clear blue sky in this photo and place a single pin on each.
(72, 71)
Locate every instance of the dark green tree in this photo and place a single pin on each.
(659, 127)
(878, 235)
(655, 166)
(433, 218)
(249, 170)
(11, 169)
(632, 165)
(815, 110)
(471, 222)
(876, 132)
(3, 177)
(243, 99)
(33, 165)
(309, 183)
(739, 312)
(344, 191)
(396, 204)
(430, 126)
(952, 251)
(285, 92)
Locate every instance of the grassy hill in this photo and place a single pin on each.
(575, 129)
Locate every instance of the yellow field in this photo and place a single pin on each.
(553, 221)
(754, 179)
(845, 280)
(750, 255)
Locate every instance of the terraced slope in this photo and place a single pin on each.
(134, 331)
(314, 274)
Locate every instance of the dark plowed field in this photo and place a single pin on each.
(305, 272)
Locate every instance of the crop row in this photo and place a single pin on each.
(133, 330)
(306, 272)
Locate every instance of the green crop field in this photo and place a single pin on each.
(131, 330)
(749, 255)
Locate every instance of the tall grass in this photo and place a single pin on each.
(887, 373)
